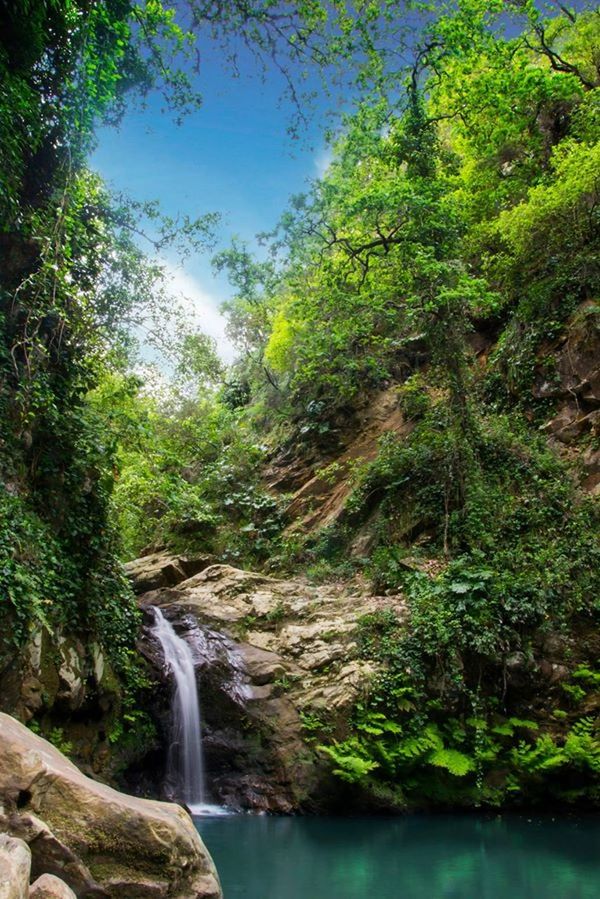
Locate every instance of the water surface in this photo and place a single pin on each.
(416, 857)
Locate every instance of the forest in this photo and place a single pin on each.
(388, 501)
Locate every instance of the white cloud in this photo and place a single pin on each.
(323, 160)
(201, 306)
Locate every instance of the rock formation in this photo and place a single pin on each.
(271, 656)
(15, 867)
(98, 841)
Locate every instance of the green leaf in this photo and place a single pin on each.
(457, 763)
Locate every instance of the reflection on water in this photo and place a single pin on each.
(417, 857)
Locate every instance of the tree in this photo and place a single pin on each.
(199, 362)
(72, 277)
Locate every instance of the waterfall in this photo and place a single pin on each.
(185, 761)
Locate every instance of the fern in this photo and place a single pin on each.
(543, 756)
(376, 724)
(419, 745)
(477, 723)
(508, 727)
(505, 729)
(589, 677)
(582, 746)
(457, 763)
(348, 766)
(524, 723)
(584, 727)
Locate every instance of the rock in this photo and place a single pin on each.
(67, 685)
(571, 367)
(331, 696)
(570, 425)
(321, 500)
(130, 847)
(15, 865)
(518, 667)
(268, 654)
(71, 674)
(554, 643)
(50, 887)
(54, 676)
(516, 661)
(262, 667)
(49, 854)
(553, 672)
(591, 468)
(569, 371)
(163, 570)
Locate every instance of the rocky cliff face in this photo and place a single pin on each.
(273, 658)
(71, 690)
(278, 664)
(568, 375)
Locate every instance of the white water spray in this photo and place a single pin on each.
(185, 761)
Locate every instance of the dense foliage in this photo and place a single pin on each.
(449, 246)
(188, 472)
(74, 284)
(468, 214)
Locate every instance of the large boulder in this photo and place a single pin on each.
(50, 887)
(99, 841)
(15, 865)
(162, 569)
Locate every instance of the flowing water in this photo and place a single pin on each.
(414, 857)
(185, 768)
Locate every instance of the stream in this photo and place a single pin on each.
(413, 857)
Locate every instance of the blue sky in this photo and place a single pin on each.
(233, 156)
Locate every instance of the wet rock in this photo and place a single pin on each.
(129, 847)
(15, 865)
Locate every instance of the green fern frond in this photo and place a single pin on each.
(348, 766)
(524, 723)
(504, 730)
(457, 763)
